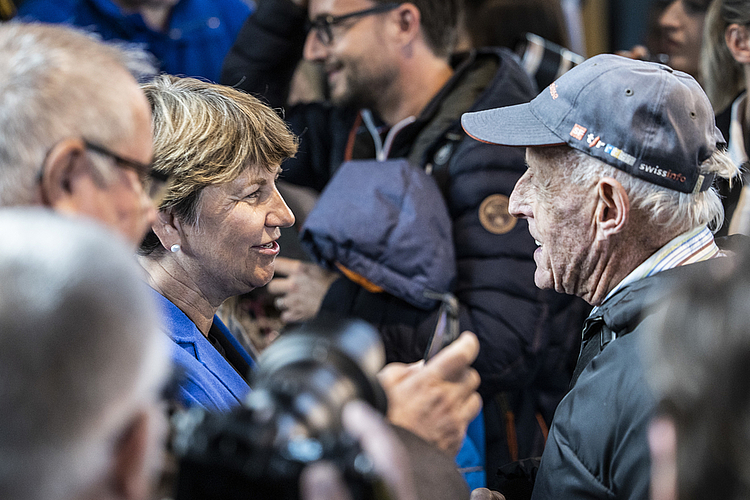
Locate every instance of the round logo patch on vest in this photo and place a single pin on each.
(494, 215)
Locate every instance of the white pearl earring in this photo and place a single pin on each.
(174, 248)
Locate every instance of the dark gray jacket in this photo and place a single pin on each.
(597, 445)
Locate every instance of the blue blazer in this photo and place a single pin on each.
(206, 378)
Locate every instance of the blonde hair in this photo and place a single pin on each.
(207, 134)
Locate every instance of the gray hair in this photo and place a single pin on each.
(80, 352)
(667, 209)
(57, 82)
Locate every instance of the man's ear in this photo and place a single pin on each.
(738, 42)
(131, 474)
(409, 21)
(167, 228)
(66, 176)
(613, 208)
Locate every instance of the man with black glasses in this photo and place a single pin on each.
(75, 128)
(396, 92)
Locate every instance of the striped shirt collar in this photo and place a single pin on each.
(688, 248)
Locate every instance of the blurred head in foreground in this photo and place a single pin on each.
(81, 363)
(699, 367)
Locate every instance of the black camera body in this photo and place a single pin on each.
(291, 418)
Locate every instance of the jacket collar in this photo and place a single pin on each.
(627, 306)
(187, 337)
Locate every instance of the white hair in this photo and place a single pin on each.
(57, 82)
(673, 211)
(80, 352)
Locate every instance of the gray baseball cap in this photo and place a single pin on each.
(645, 118)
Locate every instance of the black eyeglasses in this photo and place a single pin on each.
(323, 24)
(154, 183)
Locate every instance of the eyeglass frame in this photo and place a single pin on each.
(145, 171)
(323, 24)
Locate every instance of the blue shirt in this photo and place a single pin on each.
(198, 37)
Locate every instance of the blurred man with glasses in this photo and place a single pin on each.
(396, 90)
(75, 128)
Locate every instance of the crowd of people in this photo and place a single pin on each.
(565, 240)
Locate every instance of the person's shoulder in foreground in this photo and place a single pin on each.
(697, 364)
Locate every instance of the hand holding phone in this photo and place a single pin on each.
(446, 329)
(436, 400)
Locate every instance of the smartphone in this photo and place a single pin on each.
(446, 329)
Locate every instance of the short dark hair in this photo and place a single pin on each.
(439, 23)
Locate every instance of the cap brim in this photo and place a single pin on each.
(509, 126)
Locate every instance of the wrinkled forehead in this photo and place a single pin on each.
(254, 174)
(262, 170)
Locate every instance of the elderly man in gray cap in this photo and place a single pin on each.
(621, 156)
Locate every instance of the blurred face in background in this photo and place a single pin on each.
(354, 53)
(681, 33)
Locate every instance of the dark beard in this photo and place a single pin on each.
(365, 91)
